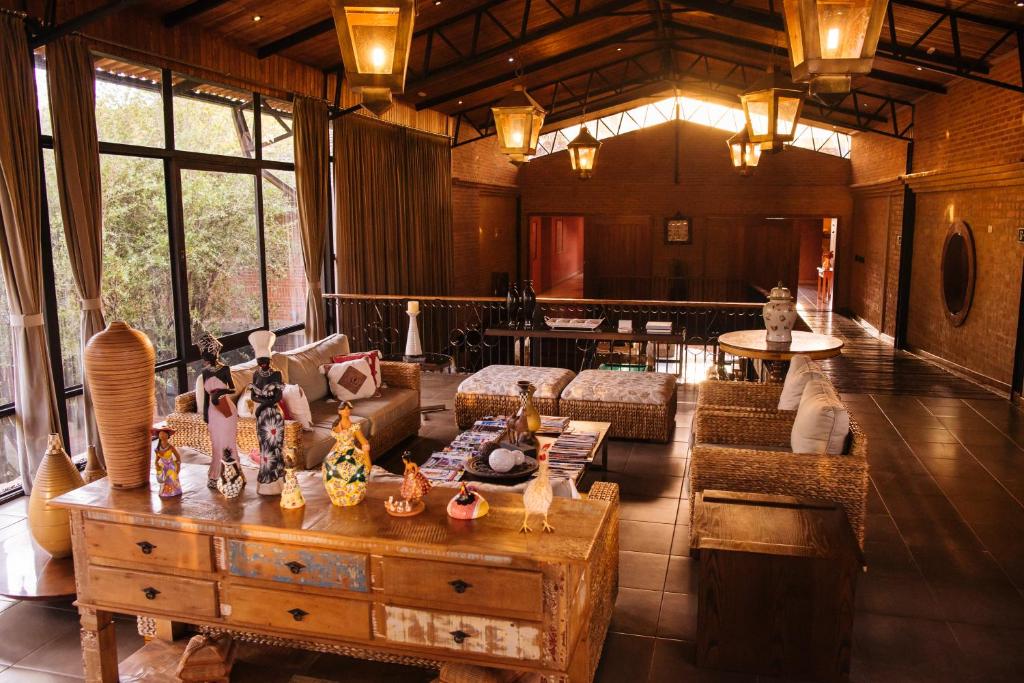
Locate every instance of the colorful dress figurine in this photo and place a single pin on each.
(166, 462)
(348, 464)
(467, 504)
(414, 487)
(218, 408)
(267, 390)
(291, 496)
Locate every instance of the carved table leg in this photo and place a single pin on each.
(99, 646)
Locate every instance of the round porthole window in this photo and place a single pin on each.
(958, 269)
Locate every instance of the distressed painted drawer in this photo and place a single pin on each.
(300, 612)
(155, 593)
(116, 543)
(464, 586)
(491, 636)
(301, 566)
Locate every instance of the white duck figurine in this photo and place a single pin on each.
(538, 495)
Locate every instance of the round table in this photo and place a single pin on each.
(431, 362)
(27, 572)
(754, 344)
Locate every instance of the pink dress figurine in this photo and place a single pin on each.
(166, 462)
(218, 408)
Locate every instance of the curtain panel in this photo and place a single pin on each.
(35, 400)
(393, 207)
(72, 86)
(312, 182)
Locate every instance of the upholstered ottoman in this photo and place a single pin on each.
(639, 405)
(493, 391)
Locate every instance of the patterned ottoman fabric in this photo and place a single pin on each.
(493, 391)
(639, 405)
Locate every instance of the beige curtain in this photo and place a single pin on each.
(73, 108)
(394, 209)
(312, 179)
(35, 401)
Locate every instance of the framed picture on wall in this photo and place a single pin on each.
(677, 230)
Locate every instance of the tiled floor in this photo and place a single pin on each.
(942, 599)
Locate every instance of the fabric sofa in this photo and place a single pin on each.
(387, 419)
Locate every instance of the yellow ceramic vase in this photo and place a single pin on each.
(56, 476)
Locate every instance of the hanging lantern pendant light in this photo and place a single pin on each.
(772, 108)
(743, 153)
(583, 153)
(375, 37)
(517, 121)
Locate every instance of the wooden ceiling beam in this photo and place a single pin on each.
(51, 34)
(293, 39)
(190, 11)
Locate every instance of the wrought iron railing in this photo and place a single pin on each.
(458, 327)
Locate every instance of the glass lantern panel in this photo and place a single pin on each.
(786, 115)
(753, 155)
(791, 8)
(758, 110)
(514, 128)
(736, 153)
(537, 122)
(374, 32)
(586, 158)
(842, 27)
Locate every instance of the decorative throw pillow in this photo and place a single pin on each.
(351, 380)
(372, 357)
(246, 406)
(822, 423)
(297, 405)
(801, 370)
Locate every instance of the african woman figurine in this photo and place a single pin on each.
(267, 389)
(219, 410)
(166, 462)
(348, 464)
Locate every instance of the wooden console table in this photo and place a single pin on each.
(524, 351)
(355, 581)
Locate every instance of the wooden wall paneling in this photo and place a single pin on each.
(617, 255)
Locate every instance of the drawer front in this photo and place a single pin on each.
(303, 613)
(491, 636)
(161, 548)
(473, 588)
(301, 566)
(153, 592)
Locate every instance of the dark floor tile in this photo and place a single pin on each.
(995, 654)
(636, 612)
(625, 658)
(999, 604)
(913, 435)
(879, 527)
(678, 617)
(904, 596)
(648, 509)
(63, 655)
(982, 437)
(646, 465)
(647, 486)
(890, 558)
(642, 570)
(917, 421)
(681, 540)
(675, 662)
(27, 627)
(902, 643)
(681, 576)
(645, 537)
(683, 513)
(925, 449)
(350, 670)
(19, 675)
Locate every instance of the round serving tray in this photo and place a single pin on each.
(478, 467)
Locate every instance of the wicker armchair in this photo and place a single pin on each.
(841, 479)
(743, 396)
(191, 431)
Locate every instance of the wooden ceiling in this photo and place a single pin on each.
(576, 55)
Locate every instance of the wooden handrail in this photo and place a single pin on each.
(550, 300)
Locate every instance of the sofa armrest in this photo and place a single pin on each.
(736, 427)
(403, 375)
(604, 490)
(739, 395)
(191, 431)
(185, 403)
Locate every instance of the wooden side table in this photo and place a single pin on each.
(754, 344)
(776, 586)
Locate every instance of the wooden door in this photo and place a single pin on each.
(617, 257)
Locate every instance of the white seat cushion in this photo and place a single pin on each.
(500, 380)
(614, 386)
(822, 422)
(801, 370)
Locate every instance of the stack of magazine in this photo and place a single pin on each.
(571, 452)
(449, 464)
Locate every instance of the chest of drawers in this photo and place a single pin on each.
(425, 590)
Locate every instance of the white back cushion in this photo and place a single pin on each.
(801, 370)
(304, 364)
(822, 422)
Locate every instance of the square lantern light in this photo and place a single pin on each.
(518, 120)
(772, 108)
(375, 36)
(743, 153)
(830, 40)
(583, 153)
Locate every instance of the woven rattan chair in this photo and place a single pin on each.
(741, 396)
(732, 452)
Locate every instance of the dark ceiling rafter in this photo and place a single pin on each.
(293, 39)
(953, 65)
(52, 33)
(190, 11)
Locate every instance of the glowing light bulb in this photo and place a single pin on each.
(832, 39)
(517, 139)
(378, 57)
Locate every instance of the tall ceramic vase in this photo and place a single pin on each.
(119, 365)
(50, 526)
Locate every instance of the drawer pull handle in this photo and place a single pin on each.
(460, 636)
(459, 585)
(147, 547)
(298, 614)
(150, 593)
(295, 567)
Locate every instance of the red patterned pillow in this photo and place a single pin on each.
(372, 358)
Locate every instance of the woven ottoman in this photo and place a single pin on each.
(639, 405)
(493, 391)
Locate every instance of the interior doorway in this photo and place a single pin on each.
(817, 262)
(556, 256)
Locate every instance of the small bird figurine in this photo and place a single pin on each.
(538, 495)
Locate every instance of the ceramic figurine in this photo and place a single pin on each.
(291, 496)
(93, 469)
(524, 424)
(218, 408)
(538, 495)
(166, 462)
(467, 504)
(266, 390)
(414, 487)
(780, 315)
(231, 480)
(348, 464)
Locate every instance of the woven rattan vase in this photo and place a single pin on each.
(56, 476)
(120, 365)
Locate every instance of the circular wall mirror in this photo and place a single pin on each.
(958, 266)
